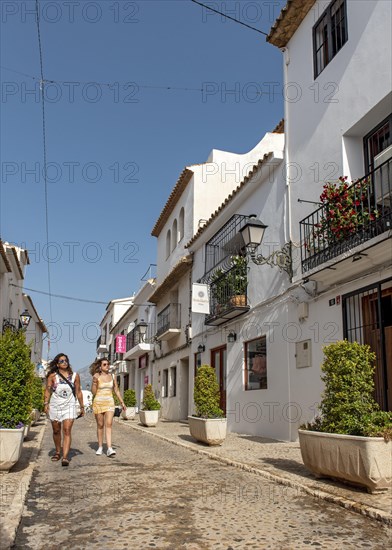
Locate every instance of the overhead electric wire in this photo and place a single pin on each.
(229, 17)
(42, 84)
(108, 84)
(76, 299)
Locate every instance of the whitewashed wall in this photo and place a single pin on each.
(327, 117)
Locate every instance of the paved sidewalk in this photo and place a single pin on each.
(15, 483)
(277, 461)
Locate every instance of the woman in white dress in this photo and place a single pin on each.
(62, 390)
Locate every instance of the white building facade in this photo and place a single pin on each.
(338, 121)
(14, 302)
(199, 191)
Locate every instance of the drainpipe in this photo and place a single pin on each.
(287, 225)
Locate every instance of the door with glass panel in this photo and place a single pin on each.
(218, 362)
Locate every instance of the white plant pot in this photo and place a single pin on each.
(208, 430)
(129, 413)
(11, 442)
(37, 415)
(363, 461)
(149, 418)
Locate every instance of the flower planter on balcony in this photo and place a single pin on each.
(238, 301)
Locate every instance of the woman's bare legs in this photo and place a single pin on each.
(108, 427)
(56, 426)
(100, 424)
(67, 427)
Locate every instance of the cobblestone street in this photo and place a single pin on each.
(157, 495)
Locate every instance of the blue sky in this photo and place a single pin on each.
(116, 137)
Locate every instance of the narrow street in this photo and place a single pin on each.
(154, 494)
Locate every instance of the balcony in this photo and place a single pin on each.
(138, 343)
(169, 322)
(359, 218)
(102, 347)
(228, 294)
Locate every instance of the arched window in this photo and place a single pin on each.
(168, 243)
(181, 224)
(174, 235)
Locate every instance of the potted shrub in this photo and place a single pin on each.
(16, 375)
(351, 439)
(208, 424)
(37, 397)
(149, 414)
(130, 403)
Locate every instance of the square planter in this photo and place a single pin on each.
(129, 413)
(362, 461)
(208, 430)
(149, 418)
(11, 442)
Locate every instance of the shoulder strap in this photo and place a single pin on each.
(69, 384)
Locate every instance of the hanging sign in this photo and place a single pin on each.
(200, 300)
(121, 343)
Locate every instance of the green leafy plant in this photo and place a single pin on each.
(206, 393)
(230, 283)
(130, 398)
(37, 394)
(345, 211)
(16, 378)
(348, 405)
(149, 402)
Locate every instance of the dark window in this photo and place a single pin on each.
(173, 381)
(165, 386)
(376, 141)
(256, 364)
(329, 35)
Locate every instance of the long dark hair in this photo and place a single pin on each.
(96, 366)
(53, 365)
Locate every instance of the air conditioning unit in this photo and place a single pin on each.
(383, 177)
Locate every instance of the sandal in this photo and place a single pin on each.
(65, 462)
(55, 457)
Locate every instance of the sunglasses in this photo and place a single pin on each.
(63, 361)
(104, 364)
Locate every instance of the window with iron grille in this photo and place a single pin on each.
(329, 35)
(377, 141)
(227, 242)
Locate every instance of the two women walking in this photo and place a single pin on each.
(63, 392)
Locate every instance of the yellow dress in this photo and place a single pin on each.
(103, 400)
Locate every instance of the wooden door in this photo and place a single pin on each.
(218, 362)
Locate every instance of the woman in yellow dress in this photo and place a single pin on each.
(103, 386)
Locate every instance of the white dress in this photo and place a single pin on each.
(62, 404)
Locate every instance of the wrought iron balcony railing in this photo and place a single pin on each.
(228, 293)
(338, 226)
(136, 336)
(169, 318)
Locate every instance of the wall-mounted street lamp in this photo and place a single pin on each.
(142, 326)
(252, 234)
(25, 319)
(201, 348)
(232, 337)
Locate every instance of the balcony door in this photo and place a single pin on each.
(367, 317)
(218, 362)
